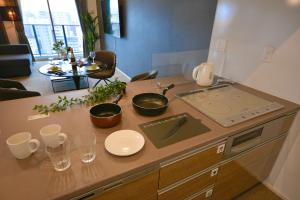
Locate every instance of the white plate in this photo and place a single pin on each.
(124, 142)
(90, 68)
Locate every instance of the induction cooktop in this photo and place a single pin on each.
(228, 105)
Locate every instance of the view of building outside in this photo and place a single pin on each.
(42, 32)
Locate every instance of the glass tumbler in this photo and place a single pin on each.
(93, 55)
(60, 156)
(87, 147)
(50, 60)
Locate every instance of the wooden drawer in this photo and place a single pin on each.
(189, 164)
(203, 195)
(189, 186)
(141, 186)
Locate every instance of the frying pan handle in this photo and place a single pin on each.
(118, 98)
(167, 88)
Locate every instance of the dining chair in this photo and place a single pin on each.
(108, 60)
(145, 76)
(10, 89)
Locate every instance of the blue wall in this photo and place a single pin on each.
(158, 31)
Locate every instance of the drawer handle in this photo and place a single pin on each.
(87, 196)
(221, 148)
(112, 185)
(208, 193)
(214, 172)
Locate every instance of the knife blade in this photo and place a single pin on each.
(175, 128)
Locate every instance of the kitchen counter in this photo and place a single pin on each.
(35, 178)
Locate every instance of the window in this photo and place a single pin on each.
(47, 21)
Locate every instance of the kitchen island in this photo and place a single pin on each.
(152, 173)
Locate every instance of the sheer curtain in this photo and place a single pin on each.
(100, 24)
(3, 34)
(82, 9)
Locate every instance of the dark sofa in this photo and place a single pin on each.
(15, 60)
(10, 89)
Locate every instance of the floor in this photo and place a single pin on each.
(260, 191)
(41, 83)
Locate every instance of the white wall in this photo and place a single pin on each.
(249, 26)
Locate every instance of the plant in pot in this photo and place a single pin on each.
(61, 51)
(91, 36)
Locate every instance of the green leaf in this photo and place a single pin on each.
(94, 96)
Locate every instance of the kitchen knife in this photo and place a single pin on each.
(175, 128)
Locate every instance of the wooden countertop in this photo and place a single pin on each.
(35, 178)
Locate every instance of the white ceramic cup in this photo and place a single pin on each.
(21, 145)
(52, 136)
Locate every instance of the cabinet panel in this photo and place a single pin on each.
(246, 170)
(190, 165)
(201, 197)
(288, 120)
(189, 187)
(144, 188)
(259, 191)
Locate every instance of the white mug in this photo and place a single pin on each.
(21, 145)
(52, 136)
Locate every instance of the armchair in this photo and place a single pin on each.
(108, 58)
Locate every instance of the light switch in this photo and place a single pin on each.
(268, 54)
(221, 45)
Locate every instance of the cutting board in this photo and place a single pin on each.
(158, 131)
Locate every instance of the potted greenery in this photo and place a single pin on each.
(91, 36)
(58, 46)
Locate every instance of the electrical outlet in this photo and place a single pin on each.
(214, 172)
(221, 148)
(208, 193)
(268, 54)
(221, 45)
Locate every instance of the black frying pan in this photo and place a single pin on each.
(151, 104)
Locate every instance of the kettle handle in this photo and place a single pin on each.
(195, 72)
